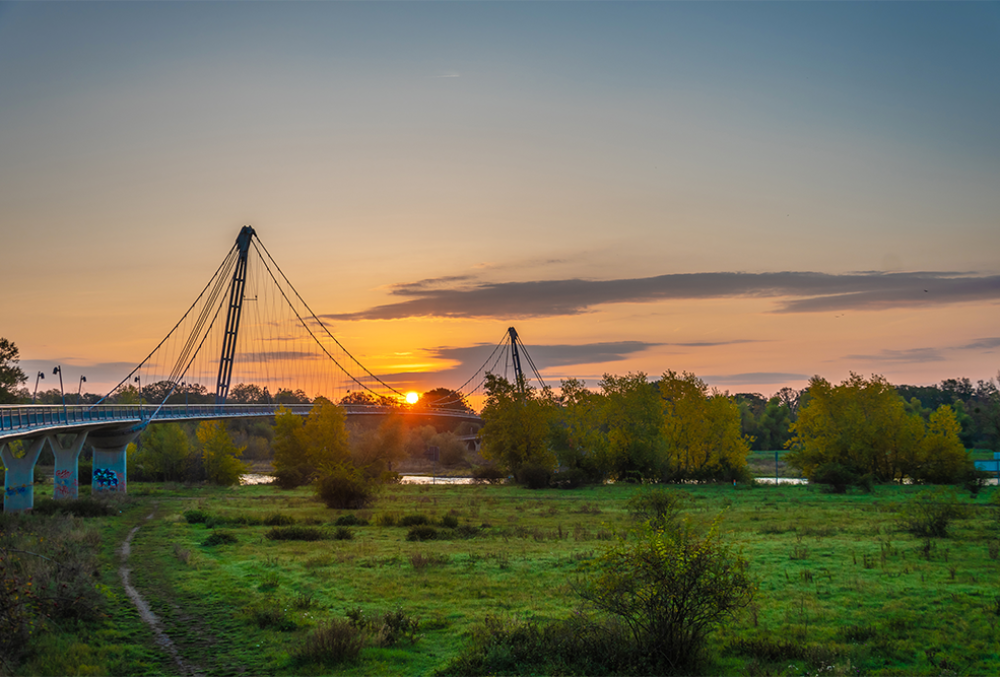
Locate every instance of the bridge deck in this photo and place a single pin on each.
(28, 420)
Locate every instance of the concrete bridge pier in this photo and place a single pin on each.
(66, 480)
(19, 480)
(109, 458)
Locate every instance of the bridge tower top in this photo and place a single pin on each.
(236, 289)
(515, 357)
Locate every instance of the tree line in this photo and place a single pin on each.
(676, 429)
(631, 429)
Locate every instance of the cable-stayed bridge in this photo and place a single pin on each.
(246, 346)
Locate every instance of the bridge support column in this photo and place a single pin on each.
(66, 479)
(19, 480)
(109, 459)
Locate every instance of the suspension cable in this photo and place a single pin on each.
(153, 352)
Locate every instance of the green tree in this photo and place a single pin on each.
(702, 431)
(452, 449)
(576, 430)
(632, 424)
(516, 425)
(165, 452)
(323, 435)
(291, 464)
(11, 375)
(129, 394)
(672, 587)
(861, 424)
(220, 455)
(752, 406)
(378, 449)
(442, 398)
(774, 425)
(942, 458)
(248, 393)
(285, 396)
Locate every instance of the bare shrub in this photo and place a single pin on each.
(422, 532)
(660, 507)
(930, 513)
(387, 628)
(337, 641)
(345, 487)
(182, 554)
(421, 561)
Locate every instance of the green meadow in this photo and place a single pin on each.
(842, 588)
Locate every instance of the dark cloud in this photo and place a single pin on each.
(421, 286)
(799, 292)
(917, 355)
(711, 344)
(549, 355)
(983, 344)
(754, 378)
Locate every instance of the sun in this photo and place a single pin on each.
(412, 397)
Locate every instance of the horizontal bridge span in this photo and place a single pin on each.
(29, 420)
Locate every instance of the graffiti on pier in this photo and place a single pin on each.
(105, 478)
(14, 491)
(66, 485)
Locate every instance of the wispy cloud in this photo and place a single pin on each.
(556, 355)
(712, 344)
(983, 344)
(754, 378)
(913, 355)
(427, 284)
(794, 292)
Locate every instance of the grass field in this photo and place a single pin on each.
(842, 589)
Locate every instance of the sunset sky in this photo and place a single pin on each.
(752, 192)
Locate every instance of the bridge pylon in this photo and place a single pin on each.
(516, 349)
(236, 289)
(66, 477)
(19, 479)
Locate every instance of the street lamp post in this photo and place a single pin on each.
(136, 379)
(58, 370)
(83, 379)
(41, 375)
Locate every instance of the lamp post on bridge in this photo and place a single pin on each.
(58, 370)
(136, 379)
(41, 375)
(83, 379)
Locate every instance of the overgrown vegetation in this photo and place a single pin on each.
(930, 513)
(671, 586)
(345, 486)
(47, 568)
(844, 586)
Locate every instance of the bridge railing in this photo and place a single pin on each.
(27, 417)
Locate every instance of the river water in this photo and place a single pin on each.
(258, 478)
